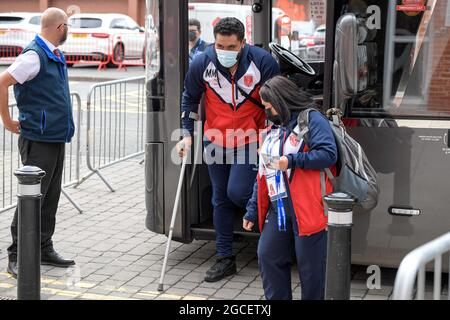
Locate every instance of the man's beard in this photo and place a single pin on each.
(63, 39)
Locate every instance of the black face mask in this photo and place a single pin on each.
(277, 120)
(192, 36)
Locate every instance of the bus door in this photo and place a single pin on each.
(166, 35)
(391, 62)
(167, 62)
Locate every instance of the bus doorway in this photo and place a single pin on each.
(384, 64)
(167, 64)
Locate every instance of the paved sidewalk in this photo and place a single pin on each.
(118, 258)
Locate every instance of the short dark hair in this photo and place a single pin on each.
(230, 26)
(195, 22)
(285, 96)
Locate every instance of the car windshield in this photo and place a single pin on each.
(86, 23)
(10, 20)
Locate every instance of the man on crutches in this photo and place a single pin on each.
(229, 75)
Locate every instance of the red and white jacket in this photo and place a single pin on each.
(227, 109)
(302, 177)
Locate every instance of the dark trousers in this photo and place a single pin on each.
(50, 158)
(275, 250)
(232, 186)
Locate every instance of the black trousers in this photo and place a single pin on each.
(50, 158)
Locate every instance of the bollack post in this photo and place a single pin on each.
(29, 233)
(339, 246)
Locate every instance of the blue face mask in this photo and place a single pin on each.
(227, 58)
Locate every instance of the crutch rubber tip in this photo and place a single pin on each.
(160, 287)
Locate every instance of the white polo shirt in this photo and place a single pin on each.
(27, 65)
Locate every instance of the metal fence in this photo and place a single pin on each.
(413, 267)
(11, 159)
(128, 49)
(12, 43)
(88, 48)
(10, 162)
(115, 124)
(104, 49)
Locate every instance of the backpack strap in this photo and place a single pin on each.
(249, 97)
(301, 131)
(302, 128)
(324, 191)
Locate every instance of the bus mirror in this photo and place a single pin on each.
(346, 60)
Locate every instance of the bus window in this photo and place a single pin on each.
(402, 66)
(301, 28)
(208, 13)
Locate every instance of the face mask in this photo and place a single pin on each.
(227, 58)
(274, 119)
(192, 36)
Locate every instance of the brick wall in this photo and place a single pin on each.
(133, 8)
(439, 59)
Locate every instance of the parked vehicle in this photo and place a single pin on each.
(16, 31)
(107, 38)
(312, 48)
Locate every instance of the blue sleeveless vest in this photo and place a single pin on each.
(45, 109)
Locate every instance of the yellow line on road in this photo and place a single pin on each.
(94, 296)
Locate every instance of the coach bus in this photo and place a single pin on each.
(385, 64)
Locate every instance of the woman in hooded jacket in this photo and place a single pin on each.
(287, 199)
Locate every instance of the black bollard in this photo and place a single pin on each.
(29, 233)
(339, 251)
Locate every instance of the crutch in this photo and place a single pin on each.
(172, 222)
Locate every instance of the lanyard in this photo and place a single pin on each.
(281, 216)
(269, 151)
(280, 206)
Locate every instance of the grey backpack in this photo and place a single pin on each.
(355, 174)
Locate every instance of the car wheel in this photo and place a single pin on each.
(118, 54)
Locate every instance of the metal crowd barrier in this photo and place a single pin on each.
(10, 162)
(88, 48)
(102, 48)
(128, 49)
(115, 124)
(11, 159)
(12, 43)
(413, 267)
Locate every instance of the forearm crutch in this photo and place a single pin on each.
(172, 221)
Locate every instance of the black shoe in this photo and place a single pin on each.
(222, 268)
(50, 257)
(12, 268)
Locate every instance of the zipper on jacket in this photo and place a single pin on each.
(233, 87)
(43, 121)
(69, 118)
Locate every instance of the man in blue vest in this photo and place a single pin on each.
(45, 124)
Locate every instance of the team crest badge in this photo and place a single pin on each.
(248, 80)
(293, 140)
